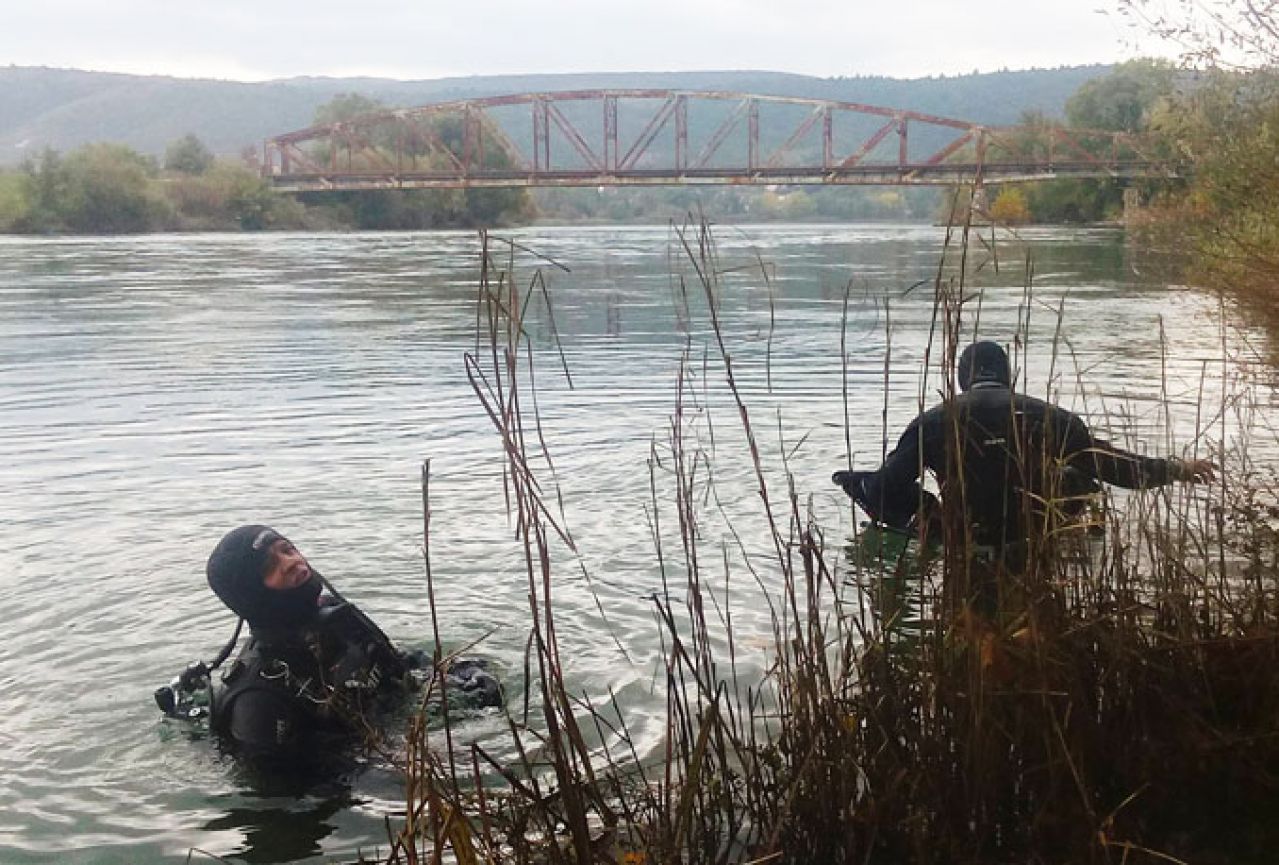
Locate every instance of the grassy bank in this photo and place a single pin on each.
(1120, 704)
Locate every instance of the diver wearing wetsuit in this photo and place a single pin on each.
(1020, 461)
(314, 664)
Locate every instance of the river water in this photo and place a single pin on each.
(158, 391)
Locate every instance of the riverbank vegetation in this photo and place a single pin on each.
(111, 189)
(1120, 704)
(1126, 100)
(1221, 229)
(1222, 226)
(1217, 117)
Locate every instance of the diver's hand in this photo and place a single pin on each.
(1196, 471)
(851, 482)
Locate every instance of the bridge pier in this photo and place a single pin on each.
(980, 201)
(1132, 203)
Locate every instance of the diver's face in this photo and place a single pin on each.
(286, 568)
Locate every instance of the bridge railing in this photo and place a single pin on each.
(638, 137)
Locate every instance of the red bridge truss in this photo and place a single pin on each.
(665, 137)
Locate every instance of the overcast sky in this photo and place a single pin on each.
(261, 39)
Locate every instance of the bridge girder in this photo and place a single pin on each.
(576, 138)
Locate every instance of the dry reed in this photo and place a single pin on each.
(1121, 704)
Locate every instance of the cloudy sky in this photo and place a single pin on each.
(262, 39)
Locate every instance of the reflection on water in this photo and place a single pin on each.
(283, 828)
(156, 391)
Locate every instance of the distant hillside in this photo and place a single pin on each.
(63, 108)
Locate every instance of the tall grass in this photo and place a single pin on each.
(1120, 704)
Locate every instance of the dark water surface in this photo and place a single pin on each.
(157, 391)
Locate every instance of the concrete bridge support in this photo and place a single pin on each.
(1132, 203)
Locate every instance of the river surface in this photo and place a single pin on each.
(158, 391)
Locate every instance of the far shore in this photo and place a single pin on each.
(655, 221)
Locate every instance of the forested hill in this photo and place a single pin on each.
(62, 108)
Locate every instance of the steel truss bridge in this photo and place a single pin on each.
(673, 137)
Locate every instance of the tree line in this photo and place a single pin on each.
(112, 189)
(108, 188)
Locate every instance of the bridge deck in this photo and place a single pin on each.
(662, 138)
(869, 175)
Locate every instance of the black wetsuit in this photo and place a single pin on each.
(292, 689)
(1016, 454)
(290, 686)
(314, 664)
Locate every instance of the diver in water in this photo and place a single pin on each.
(315, 665)
(1011, 466)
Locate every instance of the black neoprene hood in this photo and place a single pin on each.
(235, 572)
(984, 361)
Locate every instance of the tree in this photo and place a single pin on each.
(1123, 100)
(110, 190)
(1068, 200)
(1225, 221)
(188, 155)
(250, 202)
(419, 140)
(347, 106)
(1227, 217)
(1010, 207)
(99, 188)
(231, 195)
(13, 201)
(798, 205)
(44, 187)
(1032, 137)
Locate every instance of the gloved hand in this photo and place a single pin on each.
(897, 507)
(852, 483)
